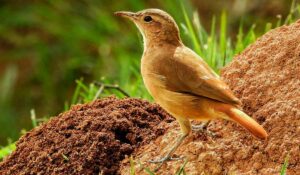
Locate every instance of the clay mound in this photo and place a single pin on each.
(266, 77)
(88, 139)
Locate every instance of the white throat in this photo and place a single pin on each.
(144, 37)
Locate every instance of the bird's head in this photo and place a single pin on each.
(155, 25)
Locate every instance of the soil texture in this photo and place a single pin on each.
(88, 139)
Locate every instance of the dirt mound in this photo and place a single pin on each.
(266, 77)
(88, 139)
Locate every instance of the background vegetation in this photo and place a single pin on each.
(45, 46)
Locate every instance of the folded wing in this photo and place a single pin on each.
(195, 77)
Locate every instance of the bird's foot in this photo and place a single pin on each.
(203, 128)
(166, 158)
(169, 154)
(163, 160)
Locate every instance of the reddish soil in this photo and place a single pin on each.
(266, 77)
(88, 139)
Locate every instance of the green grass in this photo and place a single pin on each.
(4, 151)
(181, 170)
(285, 166)
(216, 47)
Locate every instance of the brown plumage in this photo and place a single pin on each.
(180, 81)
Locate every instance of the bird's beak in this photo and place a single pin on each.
(130, 15)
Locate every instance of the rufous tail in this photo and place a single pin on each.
(246, 121)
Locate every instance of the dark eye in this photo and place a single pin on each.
(147, 18)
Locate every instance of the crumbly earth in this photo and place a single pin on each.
(266, 77)
(88, 139)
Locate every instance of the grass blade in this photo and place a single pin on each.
(146, 169)
(76, 93)
(132, 168)
(211, 43)
(268, 27)
(284, 166)
(223, 31)
(191, 30)
(181, 169)
(33, 118)
(7, 150)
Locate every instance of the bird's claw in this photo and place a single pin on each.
(169, 154)
(163, 160)
(166, 158)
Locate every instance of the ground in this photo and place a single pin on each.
(88, 139)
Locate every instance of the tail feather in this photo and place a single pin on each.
(246, 121)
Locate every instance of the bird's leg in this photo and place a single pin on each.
(202, 128)
(185, 128)
(172, 150)
(169, 154)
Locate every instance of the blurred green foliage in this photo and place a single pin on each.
(46, 45)
(7, 150)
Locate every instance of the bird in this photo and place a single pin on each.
(180, 81)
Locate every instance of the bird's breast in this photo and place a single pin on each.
(154, 83)
(153, 77)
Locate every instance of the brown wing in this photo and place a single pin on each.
(195, 77)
